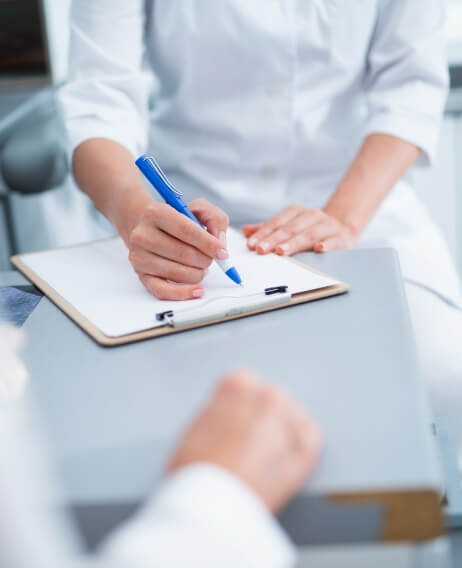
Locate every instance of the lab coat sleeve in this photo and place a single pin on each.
(109, 84)
(407, 78)
(201, 516)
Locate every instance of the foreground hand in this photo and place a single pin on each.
(171, 254)
(297, 229)
(256, 432)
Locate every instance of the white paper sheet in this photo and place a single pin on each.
(97, 279)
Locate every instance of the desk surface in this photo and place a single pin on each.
(114, 413)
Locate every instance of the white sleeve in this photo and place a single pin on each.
(108, 89)
(201, 516)
(407, 77)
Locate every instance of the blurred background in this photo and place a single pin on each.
(39, 205)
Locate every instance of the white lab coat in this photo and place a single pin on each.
(257, 105)
(200, 517)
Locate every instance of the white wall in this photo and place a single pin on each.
(57, 21)
(457, 148)
(454, 31)
(440, 188)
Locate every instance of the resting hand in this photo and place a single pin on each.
(297, 229)
(258, 433)
(171, 254)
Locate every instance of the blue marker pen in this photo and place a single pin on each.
(150, 168)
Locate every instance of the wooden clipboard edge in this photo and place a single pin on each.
(60, 302)
(410, 514)
(109, 341)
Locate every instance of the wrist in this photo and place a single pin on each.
(130, 209)
(346, 218)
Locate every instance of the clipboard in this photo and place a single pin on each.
(181, 317)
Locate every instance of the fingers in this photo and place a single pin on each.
(307, 436)
(332, 243)
(306, 239)
(212, 217)
(302, 428)
(270, 242)
(238, 380)
(297, 229)
(167, 247)
(319, 247)
(164, 290)
(295, 438)
(162, 267)
(274, 223)
(303, 226)
(249, 230)
(174, 223)
(161, 244)
(240, 390)
(303, 220)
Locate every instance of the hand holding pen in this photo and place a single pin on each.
(173, 197)
(171, 254)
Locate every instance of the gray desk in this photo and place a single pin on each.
(114, 413)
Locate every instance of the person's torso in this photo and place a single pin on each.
(259, 104)
(262, 104)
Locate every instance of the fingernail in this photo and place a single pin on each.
(222, 238)
(222, 254)
(321, 247)
(284, 248)
(198, 293)
(264, 246)
(252, 242)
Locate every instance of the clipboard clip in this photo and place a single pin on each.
(219, 308)
(276, 290)
(165, 316)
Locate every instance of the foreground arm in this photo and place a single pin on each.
(244, 456)
(241, 459)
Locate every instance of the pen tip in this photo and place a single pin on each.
(234, 275)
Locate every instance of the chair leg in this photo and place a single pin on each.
(9, 225)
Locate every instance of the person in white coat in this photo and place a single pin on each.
(241, 459)
(297, 120)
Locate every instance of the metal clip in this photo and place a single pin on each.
(166, 316)
(164, 178)
(276, 290)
